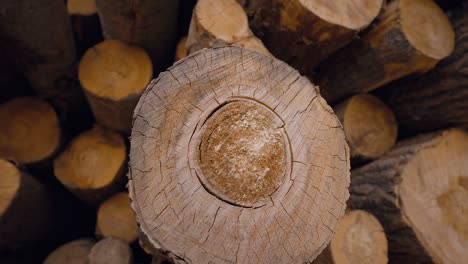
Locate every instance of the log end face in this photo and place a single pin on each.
(30, 130)
(92, 161)
(454, 206)
(76, 251)
(427, 28)
(111, 250)
(114, 70)
(242, 152)
(9, 185)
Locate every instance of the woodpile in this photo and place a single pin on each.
(285, 131)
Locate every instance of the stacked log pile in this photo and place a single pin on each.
(286, 131)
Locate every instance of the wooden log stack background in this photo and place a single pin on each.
(285, 131)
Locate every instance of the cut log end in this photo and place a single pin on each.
(111, 250)
(181, 50)
(370, 126)
(222, 156)
(243, 152)
(354, 15)
(9, 185)
(428, 182)
(224, 19)
(81, 7)
(427, 28)
(115, 218)
(115, 70)
(30, 130)
(76, 251)
(359, 238)
(93, 161)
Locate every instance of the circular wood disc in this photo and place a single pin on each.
(235, 157)
(9, 185)
(29, 130)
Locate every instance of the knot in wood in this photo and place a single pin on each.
(242, 152)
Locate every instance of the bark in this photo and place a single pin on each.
(386, 52)
(280, 123)
(296, 34)
(438, 99)
(150, 24)
(218, 23)
(38, 36)
(29, 216)
(381, 188)
(93, 166)
(370, 126)
(111, 251)
(76, 252)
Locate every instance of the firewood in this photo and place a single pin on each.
(218, 23)
(304, 32)
(85, 24)
(438, 99)
(93, 165)
(29, 131)
(370, 126)
(150, 24)
(359, 239)
(74, 252)
(181, 50)
(26, 210)
(419, 193)
(411, 36)
(39, 37)
(114, 75)
(115, 218)
(111, 250)
(235, 157)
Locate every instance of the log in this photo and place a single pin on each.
(359, 238)
(27, 214)
(150, 24)
(439, 98)
(235, 157)
(26, 30)
(304, 32)
(93, 165)
(111, 250)
(30, 130)
(85, 24)
(181, 49)
(410, 36)
(218, 23)
(74, 252)
(113, 76)
(419, 193)
(115, 218)
(370, 126)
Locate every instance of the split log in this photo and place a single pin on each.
(74, 252)
(218, 23)
(419, 193)
(150, 24)
(85, 24)
(304, 32)
(29, 131)
(359, 239)
(114, 75)
(181, 50)
(438, 99)
(115, 218)
(26, 210)
(93, 165)
(410, 36)
(370, 126)
(111, 250)
(235, 157)
(38, 36)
